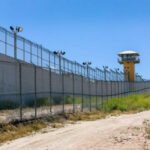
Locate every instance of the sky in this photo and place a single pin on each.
(88, 30)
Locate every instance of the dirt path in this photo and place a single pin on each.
(125, 132)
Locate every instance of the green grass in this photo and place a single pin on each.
(44, 101)
(129, 103)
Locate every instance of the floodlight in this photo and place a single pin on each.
(15, 30)
(19, 29)
(11, 28)
(55, 52)
(63, 53)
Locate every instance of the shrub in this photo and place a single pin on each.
(39, 102)
(68, 99)
(8, 104)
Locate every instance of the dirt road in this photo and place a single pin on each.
(125, 132)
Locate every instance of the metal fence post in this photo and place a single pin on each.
(106, 89)
(111, 88)
(118, 89)
(73, 92)
(41, 56)
(50, 89)
(63, 91)
(24, 50)
(82, 93)
(123, 88)
(6, 42)
(90, 93)
(144, 86)
(102, 93)
(50, 85)
(20, 79)
(31, 53)
(96, 88)
(15, 45)
(35, 92)
(129, 88)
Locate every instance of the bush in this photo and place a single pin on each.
(57, 100)
(39, 102)
(43, 101)
(8, 104)
(67, 100)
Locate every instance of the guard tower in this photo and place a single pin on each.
(129, 59)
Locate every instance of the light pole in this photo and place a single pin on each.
(15, 30)
(122, 81)
(105, 81)
(112, 74)
(99, 75)
(59, 54)
(87, 64)
(137, 77)
(99, 82)
(111, 81)
(117, 77)
(105, 72)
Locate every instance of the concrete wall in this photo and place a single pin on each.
(9, 76)
(54, 81)
(78, 85)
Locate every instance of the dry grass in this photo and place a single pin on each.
(85, 116)
(15, 130)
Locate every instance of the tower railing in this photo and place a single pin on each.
(135, 60)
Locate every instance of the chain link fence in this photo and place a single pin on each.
(28, 91)
(36, 84)
(36, 54)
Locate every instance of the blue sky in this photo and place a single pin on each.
(88, 30)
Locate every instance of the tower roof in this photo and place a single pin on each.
(128, 52)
